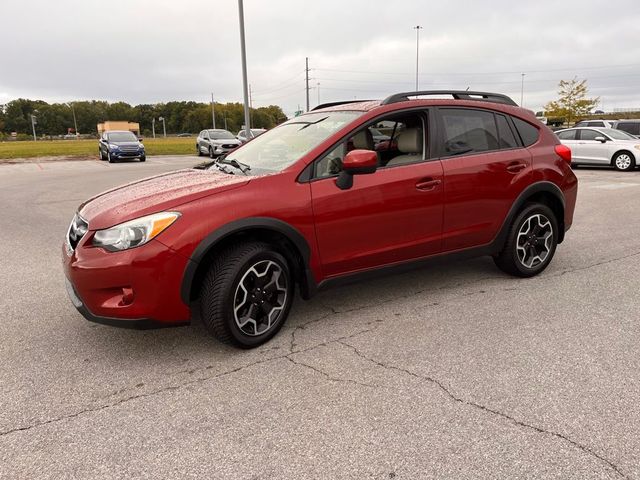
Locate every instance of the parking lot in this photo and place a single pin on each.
(456, 371)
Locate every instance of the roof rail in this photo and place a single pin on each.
(456, 94)
(335, 104)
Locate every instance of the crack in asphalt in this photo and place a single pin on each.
(327, 376)
(486, 409)
(187, 383)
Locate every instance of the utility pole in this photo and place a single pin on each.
(307, 80)
(75, 124)
(213, 112)
(245, 83)
(153, 126)
(224, 115)
(33, 126)
(522, 91)
(164, 126)
(250, 104)
(417, 28)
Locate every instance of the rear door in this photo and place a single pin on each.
(485, 168)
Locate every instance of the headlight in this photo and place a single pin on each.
(113, 147)
(135, 232)
(636, 147)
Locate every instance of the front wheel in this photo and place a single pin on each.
(110, 158)
(623, 162)
(247, 294)
(531, 242)
(198, 151)
(143, 158)
(211, 154)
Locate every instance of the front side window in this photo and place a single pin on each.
(397, 140)
(468, 131)
(587, 134)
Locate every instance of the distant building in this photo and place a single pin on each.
(118, 125)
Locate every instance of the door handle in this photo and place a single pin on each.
(428, 184)
(516, 167)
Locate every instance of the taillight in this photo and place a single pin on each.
(564, 153)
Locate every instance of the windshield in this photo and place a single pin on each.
(257, 131)
(221, 135)
(617, 134)
(122, 137)
(280, 147)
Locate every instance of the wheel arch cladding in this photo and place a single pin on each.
(286, 239)
(546, 193)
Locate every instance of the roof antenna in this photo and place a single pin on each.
(467, 89)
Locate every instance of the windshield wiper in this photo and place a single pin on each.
(243, 167)
(307, 124)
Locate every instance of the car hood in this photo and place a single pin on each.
(155, 194)
(125, 144)
(230, 141)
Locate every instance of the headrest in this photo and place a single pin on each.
(410, 140)
(363, 140)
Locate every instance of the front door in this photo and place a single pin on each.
(387, 217)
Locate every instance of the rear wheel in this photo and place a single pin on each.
(198, 151)
(100, 155)
(246, 295)
(623, 161)
(531, 242)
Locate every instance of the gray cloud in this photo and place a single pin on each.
(148, 51)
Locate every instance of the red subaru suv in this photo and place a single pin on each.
(315, 202)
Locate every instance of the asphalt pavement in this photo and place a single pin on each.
(457, 371)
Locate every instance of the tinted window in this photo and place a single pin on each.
(122, 137)
(632, 128)
(587, 134)
(506, 136)
(567, 135)
(220, 135)
(467, 131)
(528, 133)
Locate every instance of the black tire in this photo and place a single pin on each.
(110, 159)
(143, 158)
(221, 294)
(198, 151)
(100, 156)
(211, 155)
(618, 164)
(510, 259)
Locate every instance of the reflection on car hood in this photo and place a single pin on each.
(155, 194)
(229, 141)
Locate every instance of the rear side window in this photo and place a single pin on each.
(468, 131)
(596, 124)
(505, 134)
(567, 135)
(528, 133)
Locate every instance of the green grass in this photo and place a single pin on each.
(89, 148)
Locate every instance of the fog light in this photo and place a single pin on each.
(127, 296)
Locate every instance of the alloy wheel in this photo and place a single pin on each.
(534, 241)
(623, 161)
(260, 298)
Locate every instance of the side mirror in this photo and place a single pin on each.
(601, 139)
(356, 162)
(140, 139)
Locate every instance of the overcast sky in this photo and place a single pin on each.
(148, 51)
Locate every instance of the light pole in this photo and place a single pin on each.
(245, 83)
(213, 112)
(522, 91)
(75, 124)
(417, 28)
(318, 85)
(34, 120)
(153, 126)
(164, 126)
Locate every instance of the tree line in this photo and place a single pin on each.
(55, 119)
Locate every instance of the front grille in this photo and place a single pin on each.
(78, 228)
(129, 149)
(231, 145)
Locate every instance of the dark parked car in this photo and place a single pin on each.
(630, 126)
(311, 203)
(216, 142)
(242, 134)
(120, 145)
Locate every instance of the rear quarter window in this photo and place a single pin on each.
(528, 133)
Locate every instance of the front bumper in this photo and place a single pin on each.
(120, 155)
(136, 288)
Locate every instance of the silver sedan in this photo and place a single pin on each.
(601, 146)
